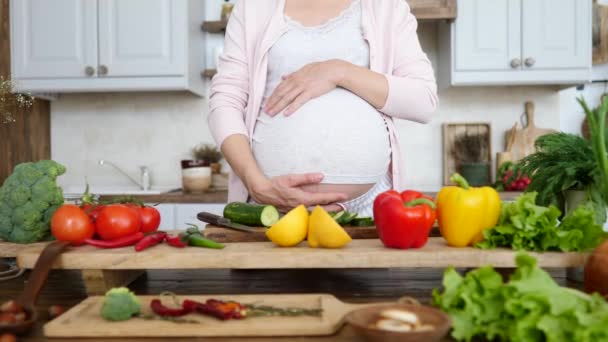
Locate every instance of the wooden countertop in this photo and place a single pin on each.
(221, 196)
(213, 196)
(264, 255)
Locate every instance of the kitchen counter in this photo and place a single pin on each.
(221, 196)
(212, 196)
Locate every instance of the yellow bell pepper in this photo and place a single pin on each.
(465, 212)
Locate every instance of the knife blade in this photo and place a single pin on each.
(221, 221)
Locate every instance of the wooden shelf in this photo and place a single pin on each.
(427, 10)
(208, 73)
(214, 26)
(264, 255)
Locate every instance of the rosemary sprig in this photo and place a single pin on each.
(266, 310)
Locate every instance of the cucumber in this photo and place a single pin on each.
(337, 216)
(362, 222)
(254, 215)
(347, 218)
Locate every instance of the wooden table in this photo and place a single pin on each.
(354, 285)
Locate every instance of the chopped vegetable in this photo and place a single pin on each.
(118, 243)
(120, 304)
(251, 214)
(176, 241)
(530, 307)
(464, 212)
(362, 222)
(404, 220)
(150, 241)
(28, 199)
(523, 225)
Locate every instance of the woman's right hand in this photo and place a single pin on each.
(285, 192)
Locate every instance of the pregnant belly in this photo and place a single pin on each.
(338, 134)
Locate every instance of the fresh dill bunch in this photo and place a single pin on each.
(561, 162)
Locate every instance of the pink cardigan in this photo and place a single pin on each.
(254, 26)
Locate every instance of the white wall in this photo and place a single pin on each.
(158, 130)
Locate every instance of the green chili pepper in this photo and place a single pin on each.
(199, 241)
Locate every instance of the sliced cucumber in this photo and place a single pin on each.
(362, 222)
(347, 218)
(337, 216)
(251, 214)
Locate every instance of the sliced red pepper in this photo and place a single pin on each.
(157, 306)
(175, 241)
(404, 220)
(222, 310)
(118, 243)
(150, 240)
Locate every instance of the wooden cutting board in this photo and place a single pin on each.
(223, 235)
(84, 319)
(524, 139)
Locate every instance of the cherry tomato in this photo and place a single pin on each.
(72, 224)
(92, 210)
(150, 219)
(116, 221)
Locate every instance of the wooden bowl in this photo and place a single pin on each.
(361, 319)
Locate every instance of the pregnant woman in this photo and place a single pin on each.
(305, 95)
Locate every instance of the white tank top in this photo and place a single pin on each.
(338, 134)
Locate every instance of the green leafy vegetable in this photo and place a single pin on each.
(530, 307)
(523, 225)
(562, 162)
(119, 304)
(28, 199)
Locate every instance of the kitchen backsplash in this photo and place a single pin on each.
(158, 129)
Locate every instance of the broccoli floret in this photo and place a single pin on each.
(28, 173)
(28, 199)
(119, 304)
(19, 196)
(51, 168)
(26, 216)
(26, 236)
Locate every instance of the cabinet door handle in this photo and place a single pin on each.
(515, 63)
(103, 70)
(89, 71)
(530, 62)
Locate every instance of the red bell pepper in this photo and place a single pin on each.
(404, 220)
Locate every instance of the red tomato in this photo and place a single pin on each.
(72, 224)
(150, 219)
(92, 210)
(116, 221)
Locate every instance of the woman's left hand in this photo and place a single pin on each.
(311, 81)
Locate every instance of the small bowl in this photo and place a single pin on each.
(361, 319)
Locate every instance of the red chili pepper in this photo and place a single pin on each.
(222, 310)
(157, 306)
(122, 242)
(175, 241)
(404, 220)
(150, 240)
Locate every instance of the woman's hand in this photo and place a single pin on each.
(311, 81)
(285, 193)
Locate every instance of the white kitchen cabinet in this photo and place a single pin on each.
(153, 45)
(517, 42)
(488, 34)
(63, 46)
(52, 39)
